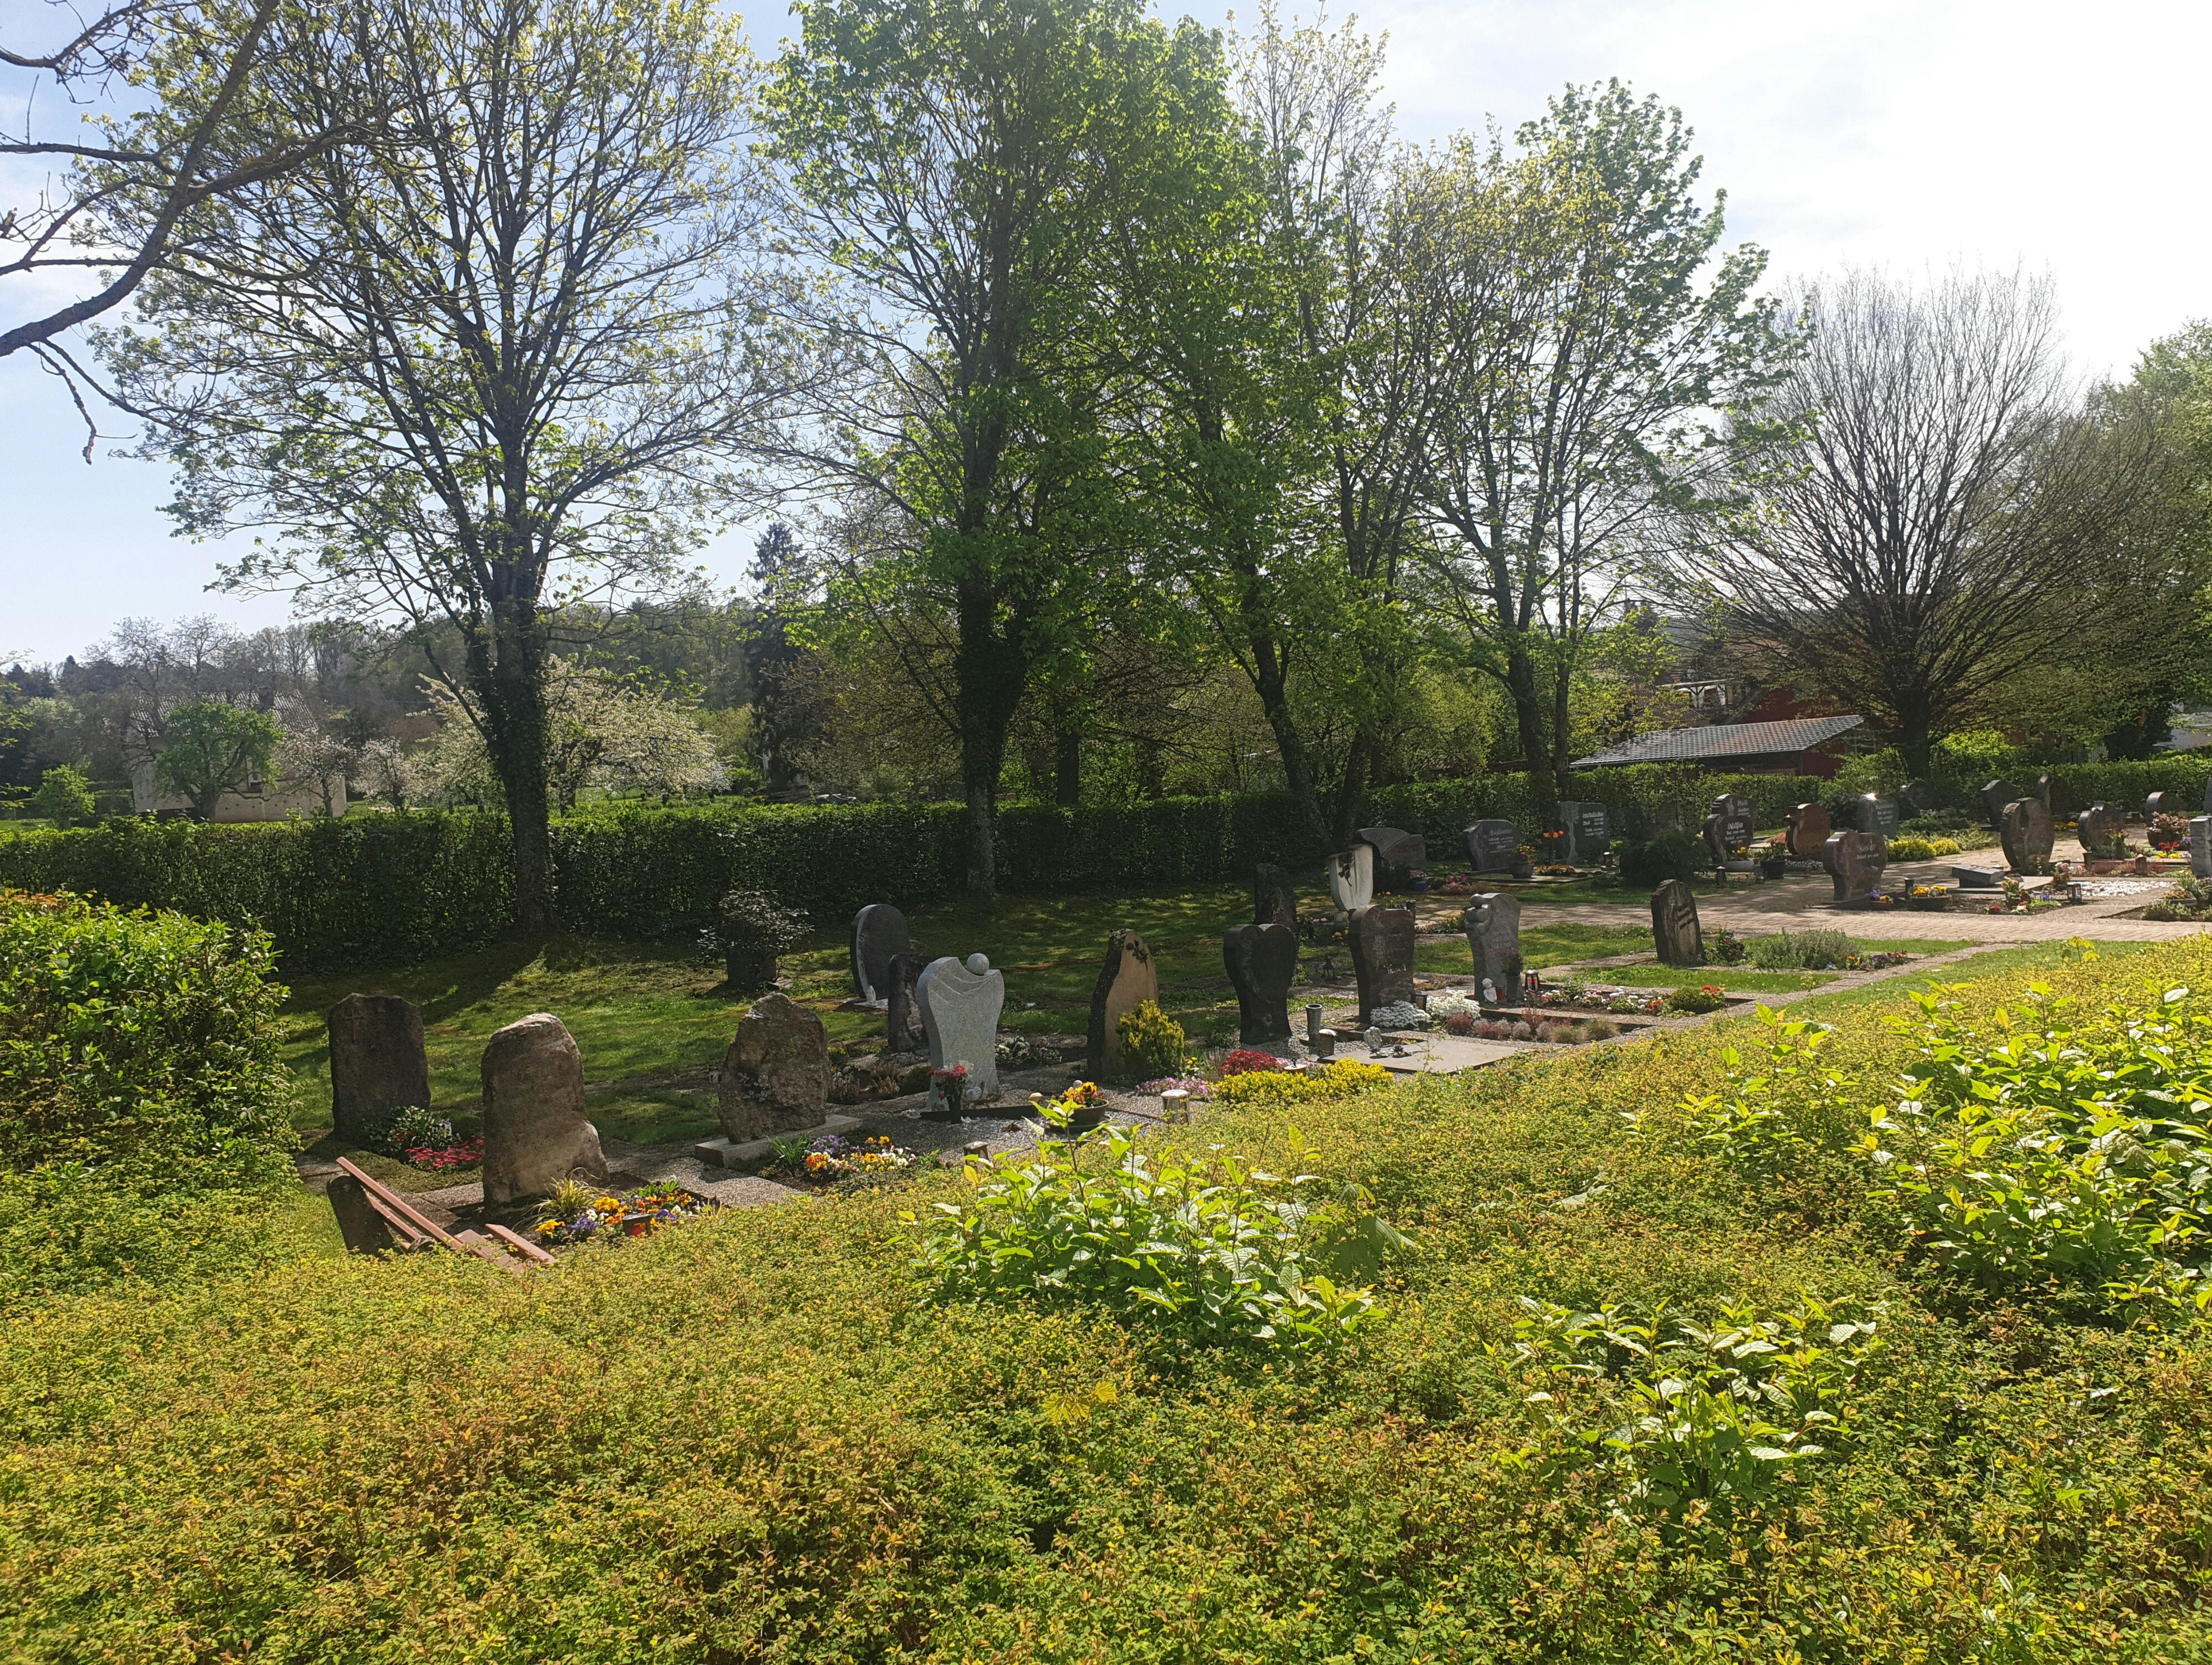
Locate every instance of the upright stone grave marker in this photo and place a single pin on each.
(1261, 960)
(902, 1005)
(775, 1075)
(1995, 796)
(2160, 803)
(1876, 814)
(1274, 900)
(1382, 958)
(1674, 924)
(1494, 846)
(1398, 855)
(1808, 833)
(377, 1064)
(2102, 828)
(960, 1008)
(2027, 835)
(2200, 846)
(1589, 832)
(879, 931)
(1125, 982)
(535, 1132)
(1735, 814)
(1856, 861)
(1351, 877)
(1493, 937)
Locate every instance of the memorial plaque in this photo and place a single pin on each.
(1125, 982)
(1856, 861)
(2104, 832)
(1261, 960)
(2026, 835)
(1674, 924)
(1494, 846)
(1274, 900)
(1493, 937)
(1382, 958)
(1808, 833)
(1351, 877)
(1995, 796)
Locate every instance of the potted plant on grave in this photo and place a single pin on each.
(750, 929)
(1524, 862)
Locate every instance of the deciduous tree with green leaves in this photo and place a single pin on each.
(210, 747)
(63, 795)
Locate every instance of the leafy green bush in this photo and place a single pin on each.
(1704, 998)
(750, 929)
(1649, 863)
(1915, 848)
(1803, 951)
(1206, 1248)
(1152, 1041)
(1337, 1080)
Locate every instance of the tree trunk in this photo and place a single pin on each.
(1350, 790)
(1530, 720)
(1271, 682)
(989, 674)
(511, 686)
(1068, 768)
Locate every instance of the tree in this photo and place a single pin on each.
(211, 747)
(63, 795)
(1591, 330)
(321, 753)
(1925, 490)
(476, 381)
(961, 163)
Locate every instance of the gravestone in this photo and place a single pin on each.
(1734, 816)
(1856, 861)
(2101, 828)
(1714, 835)
(1398, 855)
(1995, 796)
(1874, 813)
(1589, 829)
(535, 1132)
(365, 1231)
(1916, 798)
(1261, 960)
(1674, 924)
(1494, 936)
(2026, 835)
(1494, 846)
(1382, 958)
(902, 1005)
(775, 1075)
(1125, 982)
(879, 931)
(1274, 900)
(2160, 803)
(1977, 879)
(1808, 830)
(377, 1064)
(960, 1007)
(1351, 877)
(2058, 800)
(2200, 846)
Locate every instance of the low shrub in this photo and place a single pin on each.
(1337, 1080)
(1802, 951)
(1916, 848)
(1686, 999)
(750, 929)
(2190, 898)
(1153, 1042)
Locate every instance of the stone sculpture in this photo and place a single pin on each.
(960, 1008)
(535, 1132)
(1125, 982)
(1351, 877)
(1494, 936)
(1261, 961)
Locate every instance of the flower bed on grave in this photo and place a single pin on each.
(831, 1159)
(577, 1213)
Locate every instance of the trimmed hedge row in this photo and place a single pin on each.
(393, 889)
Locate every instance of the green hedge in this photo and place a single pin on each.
(2125, 785)
(382, 889)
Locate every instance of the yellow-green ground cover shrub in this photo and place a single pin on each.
(762, 1437)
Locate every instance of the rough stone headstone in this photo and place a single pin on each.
(1274, 900)
(776, 1076)
(1856, 861)
(1808, 830)
(960, 1008)
(2200, 846)
(902, 1005)
(535, 1132)
(1351, 877)
(2026, 835)
(1995, 796)
(1261, 960)
(1125, 982)
(1674, 924)
(879, 931)
(2101, 828)
(1493, 937)
(1589, 829)
(377, 1064)
(1382, 957)
(1494, 846)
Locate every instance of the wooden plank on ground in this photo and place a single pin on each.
(530, 1250)
(421, 1223)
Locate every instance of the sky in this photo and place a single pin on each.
(2061, 138)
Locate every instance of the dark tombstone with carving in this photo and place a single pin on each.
(879, 931)
(1261, 961)
(1398, 856)
(1125, 982)
(1494, 846)
(902, 1013)
(1875, 814)
(1274, 900)
(1382, 957)
(2026, 835)
(776, 1076)
(1995, 796)
(1589, 832)
(2103, 831)
(1808, 830)
(535, 1132)
(377, 1064)
(1856, 862)
(1494, 936)
(1674, 924)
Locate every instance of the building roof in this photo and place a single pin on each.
(1719, 740)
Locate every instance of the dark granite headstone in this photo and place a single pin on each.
(365, 1231)
(1398, 855)
(1735, 814)
(1125, 982)
(903, 1024)
(1808, 830)
(1875, 814)
(1674, 924)
(1977, 879)
(535, 1132)
(1261, 960)
(2160, 803)
(1382, 957)
(1274, 900)
(1494, 936)
(1995, 796)
(1589, 829)
(1494, 846)
(377, 1064)
(879, 931)
(2026, 835)
(1856, 862)
(2102, 829)
(2059, 799)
